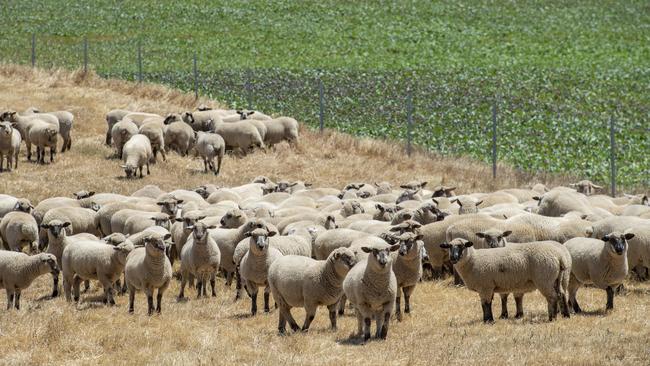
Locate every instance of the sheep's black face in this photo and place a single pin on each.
(406, 246)
(55, 230)
(157, 245)
(49, 260)
(261, 242)
(129, 170)
(382, 256)
(456, 250)
(202, 191)
(618, 242)
(23, 206)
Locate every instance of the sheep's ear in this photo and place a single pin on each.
(478, 203)
(211, 227)
(65, 224)
(445, 245)
(404, 186)
(393, 247)
(247, 234)
(178, 202)
(419, 237)
(629, 236)
(376, 184)
(595, 186)
(308, 184)
(507, 233)
(91, 193)
(201, 218)
(480, 235)
(469, 244)
(366, 249)
(238, 111)
(435, 201)
(337, 255)
(178, 219)
(167, 236)
(380, 207)
(45, 226)
(605, 238)
(423, 184)
(293, 184)
(537, 198)
(456, 200)
(251, 112)
(271, 233)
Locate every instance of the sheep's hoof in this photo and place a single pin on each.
(504, 316)
(519, 315)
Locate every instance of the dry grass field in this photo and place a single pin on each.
(444, 328)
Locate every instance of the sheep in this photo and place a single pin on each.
(9, 204)
(428, 213)
(521, 268)
(24, 124)
(179, 136)
(605, 226)
(297, 281)
(635, 210)
(49, 203)
(362, 190)
(495, 198)
(330, 240)
(105, 215)
(409, 195)
(383, 188)
(559, 202)
(136, 154)
(154, 131)
(209, 146)
(352, 207)
(18, 271)
(200, 258)
(638, 253)
(148, 269)
(223, 194)
(233, 219)
(602, 263)
(121, 132)
(83, 220)
(248, 115)
(9, 145)
(242, 135)
(255, 264)
(327, 221)
(17, 230)
(43, 134)
(113, 117)
(281, 129)
(149, 191)
(136, 224)
(371, 287)
(182, 228)
(202, 120)
(65, 119)
(468, 205)
(585, 187)
(407, 266)
(93, 260)
(139, 117)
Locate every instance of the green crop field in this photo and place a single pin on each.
(556, 71)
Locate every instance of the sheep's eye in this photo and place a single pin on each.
(259, 226)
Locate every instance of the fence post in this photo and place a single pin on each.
(409, 120)
(321, 112)
(612, 154)
(196, 79)
(33, 49)
(85, 55)
(494, 139)
(247, 86)
(139, 61)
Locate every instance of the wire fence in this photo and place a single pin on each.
(557, 125)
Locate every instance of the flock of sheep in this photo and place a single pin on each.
(368, 244)
(138, 137)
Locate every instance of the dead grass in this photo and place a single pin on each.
(445, 327)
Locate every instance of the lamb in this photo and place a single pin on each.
(407, 266)
(24, 124)
(43, 134)
(297, 281)
(65, 119)
(209, 146)
(242, 135)
(371, 287)
(136, 154)
(200, 259)
(281, 129)
(585, 187)
(18, 271)
(148, 269)
(154, 131)
(9, 145)
(179, 136)
(121, 132)
(9, 203)
(255, 264)
(136, 224)
(93, 260)
(602, 263)
(17, 230)
(113, 117)
(545, 266)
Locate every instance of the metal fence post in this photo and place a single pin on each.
(196, 79)
(494, 139)
(321, 112)
(85, 55)
(139, 61)
(33, 50)
(409, 116)
(612, 154)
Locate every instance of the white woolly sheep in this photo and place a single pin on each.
(407, 266)
(585, 187)
(121, 132)
(209, 146)
(136, 224)
(9, 203)
(9, 145)
(303, 282)
(17, 230)
(113, 117)
(200, 259)
(281, 129)
(154, 131)
(65, 119)
(43, 135)
(136, 154)
(240, 135)
(371, 287)
(18, 271)
(179, 136)
(139, 117)
(255, 264)
(602, 263)
(202, 120)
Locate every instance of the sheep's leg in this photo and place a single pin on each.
(228, 276)
(131, 299)
(384, 328)
(159, 300)
(149, 292)
(359, 323)
(199, 286)
(205, 165)
(108, 290)
(573, 290)
(486, 304)
(17, 300)
(610, 298)
(162, 153)
(408, 291)
(28, 145)
(285, 311)
(9, 161)
(282, 323)
(52, 153)
(551, 299)
(16, 160)
(310, 313)
(219, 158)
(398, 305)
(253, 294)
(504, 306)
(332, 312)
(10, 298)
(181, 294)
(86, 286)
(213, 283)
(237, 285)
(366, 328)
(76, 280)
(519, 302)
(342, 306)
(67, 288)
(2, 160)
(55, 284)
(108, 137)
(267, 292)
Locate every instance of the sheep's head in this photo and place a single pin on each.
(130, 170)
(383, 188)
(414, 185)
(47, 263)
(9, 116)
(429, 212)
(260, 238)
(385, 212)
(83, 194)
(330, 222)
(23, 205)
(244, 114)
(585, 187)
(123, 249)
(617, 242)
(169, 205)
(402, 216)
(380, 256)
(268, 188)
(202, 191)
(407, 226)
(172, 117)
(188, 118)
(56, 228)
(444, 191)
(283, 186)
(94, 206)
(203, 107)
(352, 207)
(155, 244)
(161, 219)
(6, 130)
(638, 199)
(457, 249)
(467, 204)
(200, 231)
(410, 244)
(344, 259)
(494, 238)
(115, 239)
(409, 195)
(189, 220)
(234, 218)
